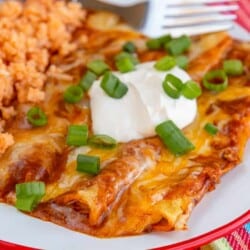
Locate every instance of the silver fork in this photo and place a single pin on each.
(175, 17)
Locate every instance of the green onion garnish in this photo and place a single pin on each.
(172, 86)
(173, 138)
(125, 64)
(158, 43)
(73, 94)
(113, 86)
(36, 117)
(129, 47)
(215, 80)
(87, 80)
(77, 135)
(211, 129)
(26, 204)
(178, 45)
(170, 90)
(164, 39)
(181, 61)
(233, 67)
(102, 141)
(98, 67)
(153, 44)
(29, 194)
(191, 90)
(177, 82)
(122, 55)
(165, 63)
(88, 164)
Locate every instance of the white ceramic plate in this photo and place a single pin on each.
(229, 201)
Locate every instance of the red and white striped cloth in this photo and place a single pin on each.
(243, 14)
(237, 240)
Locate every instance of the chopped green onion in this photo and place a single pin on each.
(164, 39)
(178, 45)
(125, 64)
(191, 90)
(102, 141)
(211, 129)
(165, 63)
(173, 138)
(87, 80)
(88, 164)
(153, 44)
(113, 86)
(172, 86)
(158, 43)
(233, 67)
(129, 47)
(27, 189)
(36, 117)
(215, 80)
(122, 55)
(98, 67)
(170, 90)
(181, 61)
(73, 94)
(29, 194)
(26, 204)
(176, 82)
(77, 135)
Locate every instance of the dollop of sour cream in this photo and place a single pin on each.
(144, 106)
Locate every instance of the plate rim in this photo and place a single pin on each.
(187, 244)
